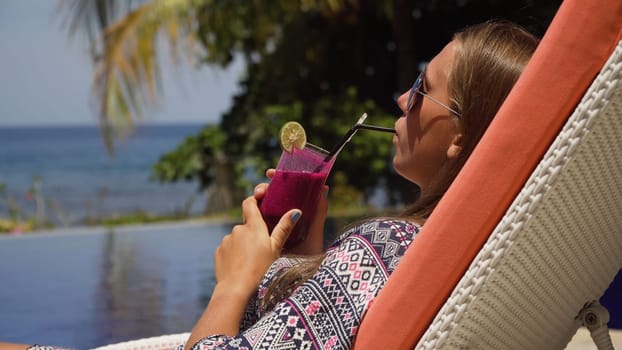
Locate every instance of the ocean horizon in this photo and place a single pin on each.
(79, 179)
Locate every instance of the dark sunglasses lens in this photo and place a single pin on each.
(410, 103)
(413, 96)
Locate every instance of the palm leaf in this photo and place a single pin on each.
(126, 73)
(123, 37)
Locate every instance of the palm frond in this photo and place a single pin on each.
(125, 52)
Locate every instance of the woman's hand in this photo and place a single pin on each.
(240, 263)
(314, 243)
(245, 255)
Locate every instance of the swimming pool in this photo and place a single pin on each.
(83, 288)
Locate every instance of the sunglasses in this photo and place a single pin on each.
(415, 93)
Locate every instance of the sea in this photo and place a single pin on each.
(78, 178)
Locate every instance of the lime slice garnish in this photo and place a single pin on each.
(292, 135)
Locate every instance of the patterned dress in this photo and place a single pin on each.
(325, 311)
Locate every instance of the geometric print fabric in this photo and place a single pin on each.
(325, 311)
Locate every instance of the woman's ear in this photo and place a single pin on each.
(454, 148)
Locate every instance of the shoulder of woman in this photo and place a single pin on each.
(382, 229)
(279, 266)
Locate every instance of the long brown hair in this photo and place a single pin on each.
(489, 58)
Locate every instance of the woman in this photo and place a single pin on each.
(318, 302)
(263, 300)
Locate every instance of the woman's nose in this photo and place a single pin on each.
(401, 101)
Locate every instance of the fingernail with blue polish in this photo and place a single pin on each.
(296, 216)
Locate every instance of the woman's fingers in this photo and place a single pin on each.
(284, 228)
(260, 191)
(270, 173)
(251, 214)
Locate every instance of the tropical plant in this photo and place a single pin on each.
(320, 62)
(124, 38)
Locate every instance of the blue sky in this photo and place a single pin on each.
(45, 78)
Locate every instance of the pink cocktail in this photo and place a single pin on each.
(297, 183)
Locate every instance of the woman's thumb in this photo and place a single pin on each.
(281, 231)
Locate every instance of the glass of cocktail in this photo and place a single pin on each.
(298, 182)
(300, 175)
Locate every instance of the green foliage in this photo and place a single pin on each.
(19, 219)
(294, 73)
(319, 62)
(343, 195)
(138, 217)
(324, 63)
(193, 159)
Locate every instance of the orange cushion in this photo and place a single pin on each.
(579, 40)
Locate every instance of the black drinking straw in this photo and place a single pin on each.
(351, 132)
(375, 128)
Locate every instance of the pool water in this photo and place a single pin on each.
(91, 287)
(84, 288)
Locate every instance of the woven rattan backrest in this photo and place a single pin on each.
(579, 41)
(559, 245)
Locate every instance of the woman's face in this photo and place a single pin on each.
(427, 135)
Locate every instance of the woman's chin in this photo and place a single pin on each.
(396, 165)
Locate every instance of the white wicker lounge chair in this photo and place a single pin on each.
(558, 247)
(558, 243)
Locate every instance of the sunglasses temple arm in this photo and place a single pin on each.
(440, 103)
